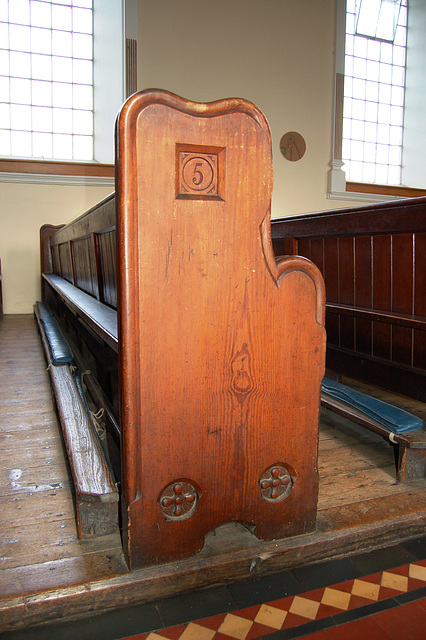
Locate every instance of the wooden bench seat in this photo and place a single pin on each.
(214, 426)
(411, 458)
(99, 317)
(95, 490)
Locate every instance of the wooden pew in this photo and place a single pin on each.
(207, 351)
(96, 495)
(373, 260)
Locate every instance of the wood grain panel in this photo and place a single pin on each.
(346, 268)
(382, 273)
(382, 293)
(179, 256)
(304, 248)
(395, 326)
(317, 253)
(419, 336)
(56, 263)
(402, 295)
(65, 262)
(84, 263)
(363, 272)
(363, 292)
(106, 251)
(331, 269)
(332, 326)
(420, 274)
(402, 273)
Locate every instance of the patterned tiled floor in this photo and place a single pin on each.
(379, 595)
(294, 611)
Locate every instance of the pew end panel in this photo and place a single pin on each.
(221, 353)
(206, 353)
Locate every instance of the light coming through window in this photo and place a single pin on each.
(46, 79)
(373, 110)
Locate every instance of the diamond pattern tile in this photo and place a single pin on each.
(196, 632)
(366, 590)
(417, 571)
(261, 620)
(235, 627)
(270, 616)
(336, 598)
(394, 581)
(304, 607)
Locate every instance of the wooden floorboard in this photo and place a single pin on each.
(47, 572)
(39, 547)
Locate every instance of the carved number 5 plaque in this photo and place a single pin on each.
(199, 172)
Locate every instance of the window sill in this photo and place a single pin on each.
(51, 172)
(384, 190)
(339, 189)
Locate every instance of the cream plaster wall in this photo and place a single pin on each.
(277, 53)
(24, 208)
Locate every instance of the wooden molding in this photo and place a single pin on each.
(401, 192)
(51, 167)
(131, 66)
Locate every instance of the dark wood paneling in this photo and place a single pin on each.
(419, 337)
(331, 273)
(402, 273)
(84, 263)
(363, 272)
(382, 272)
(346, 270)
(106, 252)
(420, 274)
(402, 295)
(65, 261)
(346, 267)
(56, 263)
(379, 265)
(304, 248)
(363, 292)
(398, 216)
(317, 253)
(332, 327)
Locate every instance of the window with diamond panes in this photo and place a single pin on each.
(373, 108)
(46, 79)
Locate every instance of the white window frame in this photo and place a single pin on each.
(114, 21)
(413, 165)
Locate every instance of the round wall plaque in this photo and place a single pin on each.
(292, 146)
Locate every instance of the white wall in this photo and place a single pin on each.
(24, 209)
(414, 165)
(277, 53)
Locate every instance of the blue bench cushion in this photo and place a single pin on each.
(60, 352)
(393, 418)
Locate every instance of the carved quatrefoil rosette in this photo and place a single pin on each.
(276, 483)
(178, 500)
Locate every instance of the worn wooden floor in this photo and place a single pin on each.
(48, 573)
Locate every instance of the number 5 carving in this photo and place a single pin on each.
(197, 176)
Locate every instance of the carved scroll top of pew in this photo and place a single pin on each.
(221, 348)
